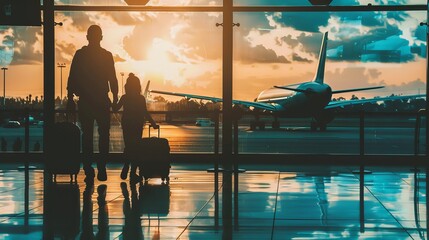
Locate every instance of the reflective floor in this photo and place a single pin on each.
(273, 202)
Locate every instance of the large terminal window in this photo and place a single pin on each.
(21, 84)
(175, 52)
(177, 45)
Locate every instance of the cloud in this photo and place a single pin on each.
(412, 87)
(6, 47)
(64, 51)
(287, 43)
(302, 21)
(118, 58)
(420, 32)
(398, 16)
(377, 45)
(259, 54)
(296, 57)
(342, 75)
(25, 39)
(127, 18)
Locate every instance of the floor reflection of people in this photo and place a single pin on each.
(87, 229)
(103, 214)
(322, 197)
(132, 227)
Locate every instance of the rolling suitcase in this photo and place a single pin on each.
(155, 162)
(65, 157)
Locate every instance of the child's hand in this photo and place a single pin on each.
(115, 107)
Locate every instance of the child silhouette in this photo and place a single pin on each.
(133, 119)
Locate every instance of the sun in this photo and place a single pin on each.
(166, 60)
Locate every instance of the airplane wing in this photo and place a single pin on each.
(263, 106)
(336, 104)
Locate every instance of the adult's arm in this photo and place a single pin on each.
(113, 81)
(72, 82)
(119, 105)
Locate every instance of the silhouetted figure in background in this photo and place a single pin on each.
(36, 147)
(17, 145)
(3, 144)
(92, 73)
(133, 119)
(132, 226)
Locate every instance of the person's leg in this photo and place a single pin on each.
(103, 213)
(87, 124)
(134, 141)
(87, 208)
(127, 150)
(134, 178)
(103, 122)
(124, 171)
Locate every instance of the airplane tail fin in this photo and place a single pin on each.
(319, 77)
(146, 90)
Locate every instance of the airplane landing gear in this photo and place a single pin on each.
(314, 125)
(257, 124)
(276, 124)
(321, 120)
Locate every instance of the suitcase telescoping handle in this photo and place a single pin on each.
(159, 130)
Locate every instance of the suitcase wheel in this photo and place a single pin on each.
(71, 177)
(166, 179)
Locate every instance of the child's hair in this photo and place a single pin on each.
(133, 85)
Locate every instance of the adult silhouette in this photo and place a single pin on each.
(92, 75)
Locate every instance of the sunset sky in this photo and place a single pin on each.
(182, 52)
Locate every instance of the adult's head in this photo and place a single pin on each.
(133, 85)
(94, 34)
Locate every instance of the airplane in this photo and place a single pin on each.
(307, 99)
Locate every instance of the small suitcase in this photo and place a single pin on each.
(66, 150)
(63, 210)
(155, 158)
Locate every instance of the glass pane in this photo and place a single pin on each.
(139, 2)
(333, 2)
(176, 52)
(21, 61)
(364, 50)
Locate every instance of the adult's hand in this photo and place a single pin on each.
(71, 105)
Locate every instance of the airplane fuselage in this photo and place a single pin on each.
(309, 102)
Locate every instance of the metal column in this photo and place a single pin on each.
(49, 93)
(227, 119)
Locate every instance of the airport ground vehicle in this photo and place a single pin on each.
(204, 122)
(12, 124)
